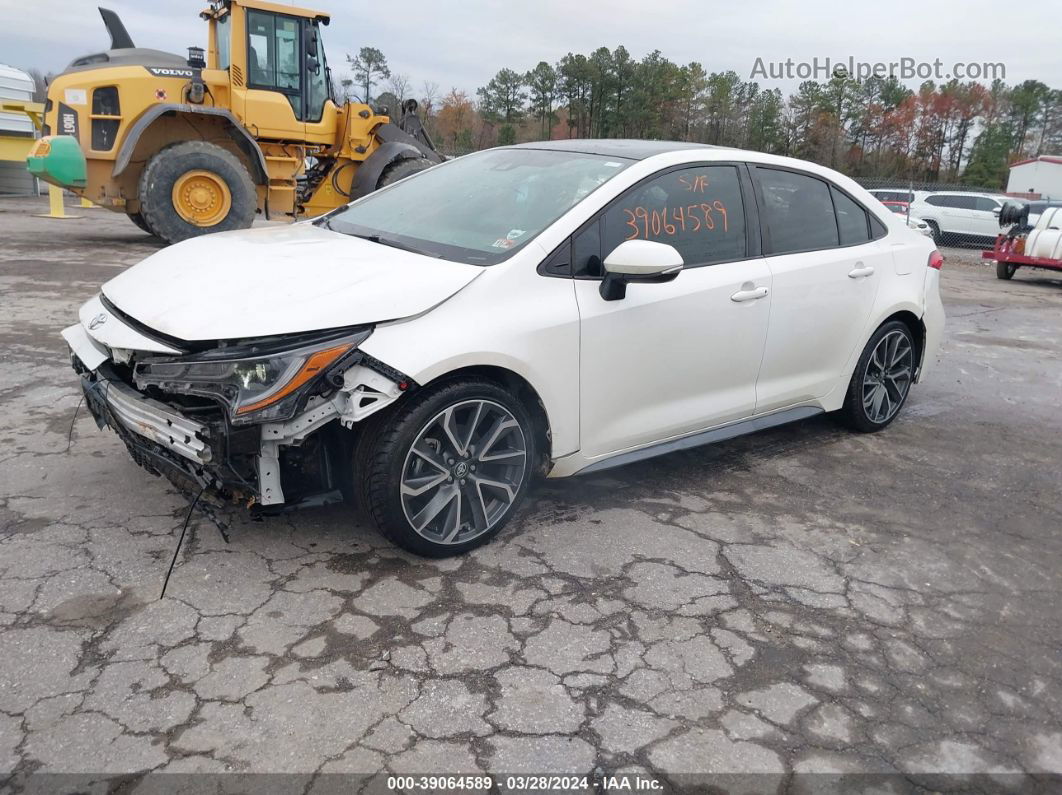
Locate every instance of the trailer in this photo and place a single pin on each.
(1009, 256)
(1025, 245)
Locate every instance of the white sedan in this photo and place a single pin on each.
(559, 307)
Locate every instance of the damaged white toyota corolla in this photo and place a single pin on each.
(556, 307)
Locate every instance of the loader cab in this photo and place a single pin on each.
(278, 74)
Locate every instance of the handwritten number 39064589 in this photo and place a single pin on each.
(691, 217)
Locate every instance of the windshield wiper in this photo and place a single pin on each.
(386, 241)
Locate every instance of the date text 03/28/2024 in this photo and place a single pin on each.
(550, 783)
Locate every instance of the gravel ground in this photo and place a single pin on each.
(797, 603)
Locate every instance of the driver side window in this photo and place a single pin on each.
(698, 210)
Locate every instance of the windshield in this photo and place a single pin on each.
(479, 208)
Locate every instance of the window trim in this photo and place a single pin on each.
(765, 227)
(753, 242)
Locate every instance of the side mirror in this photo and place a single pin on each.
(995, 210)
(638, 261)
(313, 66)
(311, 44)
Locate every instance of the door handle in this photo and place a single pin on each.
(860, 271)
(749, 295)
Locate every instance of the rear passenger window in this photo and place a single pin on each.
(851, 219)
(951, 201)
(798, 211)
(699, 211)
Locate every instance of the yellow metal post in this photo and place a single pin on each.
(55, 205)
(86, 204)
(55, 202)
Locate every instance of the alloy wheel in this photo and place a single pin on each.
(888, 377)
(463, 471)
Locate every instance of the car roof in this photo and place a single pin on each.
(967, 193)
(627, 148)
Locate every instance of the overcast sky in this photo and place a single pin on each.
(462, 44)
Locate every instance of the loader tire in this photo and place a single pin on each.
(402, 169)
(194, 188)
(138, 219)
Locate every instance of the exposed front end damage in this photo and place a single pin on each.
(289, 448)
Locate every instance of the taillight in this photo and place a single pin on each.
(936, 260)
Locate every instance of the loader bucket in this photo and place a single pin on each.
(58, 159)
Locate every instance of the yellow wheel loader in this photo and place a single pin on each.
(186, 146)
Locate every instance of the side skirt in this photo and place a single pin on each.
(741, 428)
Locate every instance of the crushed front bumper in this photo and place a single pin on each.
(155, 421)
(166, 442)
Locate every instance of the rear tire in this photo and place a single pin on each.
(882, 379)
(938, 236)
(194, 188)
(138, 219)
(1005, 270)
(402, 169)
(447, 469)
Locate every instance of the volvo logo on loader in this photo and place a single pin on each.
(160, 71)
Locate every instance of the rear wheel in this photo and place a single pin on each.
(402, 169)
(882, 379)
(938, 236)
(1005, 270)
(193, 188)
(446, 471)
(138, 219)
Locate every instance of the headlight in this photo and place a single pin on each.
(259, 387)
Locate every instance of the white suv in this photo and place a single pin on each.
(957, 217)
(559, 307)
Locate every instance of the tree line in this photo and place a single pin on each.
(876, 128)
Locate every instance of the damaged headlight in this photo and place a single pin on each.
(256, 383)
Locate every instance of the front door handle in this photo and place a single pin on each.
(860, 271)
(749, 295)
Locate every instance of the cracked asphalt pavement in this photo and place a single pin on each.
(801, 601)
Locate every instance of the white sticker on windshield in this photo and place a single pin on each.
(515, 233)
(502, 242)
(612, 164)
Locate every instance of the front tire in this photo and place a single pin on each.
(1005, 270)
(402, 169)
(882, 379)
(194, 188)
(444, 472)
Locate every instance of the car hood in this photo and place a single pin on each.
(280, 280)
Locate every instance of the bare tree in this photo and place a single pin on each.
(429, 92)
(399, 86)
